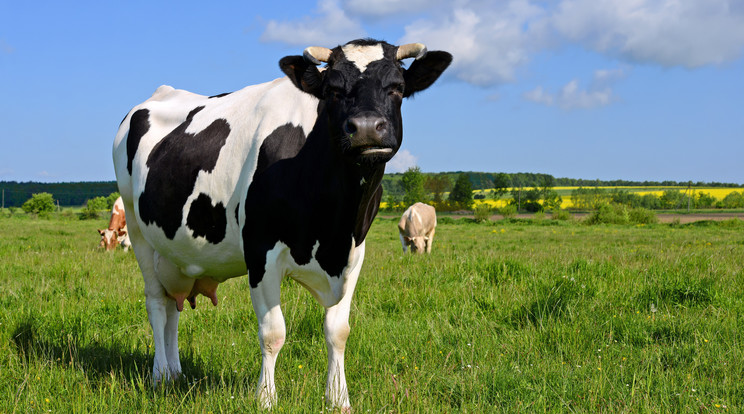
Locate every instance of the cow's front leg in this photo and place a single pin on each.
(336, 328)
(403, 242)
(271, 334)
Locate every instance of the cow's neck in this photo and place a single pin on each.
(356, 188)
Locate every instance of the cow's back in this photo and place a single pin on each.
(418, 220)
(184, 163)
(118, 220)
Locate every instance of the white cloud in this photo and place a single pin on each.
(604, 76)
(571, 96)
(331, 27)
(492, 41)
(402, 161)
(538, 95)
(384, 8)
(489, 41)
(688, 33)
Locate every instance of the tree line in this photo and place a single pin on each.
(485, 180)
(76, 194)
(536, 192)
(530, 191)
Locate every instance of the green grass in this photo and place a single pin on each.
(511, 316)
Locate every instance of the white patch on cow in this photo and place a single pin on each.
(255, 111)
(415, 215)
(362, 56)
(328, 290)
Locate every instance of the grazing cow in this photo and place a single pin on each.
(416, 228)
(116, 233)
(277, 179)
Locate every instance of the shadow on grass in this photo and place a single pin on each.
(100, 361)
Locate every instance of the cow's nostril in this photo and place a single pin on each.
(366, 128)
(350, 127)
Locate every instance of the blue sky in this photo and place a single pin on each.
(608, 89)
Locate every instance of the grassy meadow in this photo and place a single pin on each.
(508, 316)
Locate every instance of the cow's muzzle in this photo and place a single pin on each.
(366, 133)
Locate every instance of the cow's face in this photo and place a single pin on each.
(110, 239)
(362, 87)
(417, 244)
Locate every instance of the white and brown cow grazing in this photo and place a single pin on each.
(277, 179)
(116, 233)
(416, 228)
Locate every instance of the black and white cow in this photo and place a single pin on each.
(277, 179)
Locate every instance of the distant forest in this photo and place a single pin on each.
(483, 180)
(14, 194)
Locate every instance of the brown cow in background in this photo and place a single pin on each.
(416, 228)
(116, 233)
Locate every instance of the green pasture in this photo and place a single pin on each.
(519, 316)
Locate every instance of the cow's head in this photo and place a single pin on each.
(417, 244)
(362, 87)
(110, 239)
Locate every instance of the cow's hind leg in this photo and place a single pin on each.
(271, 333)
(162, 311)
(429, 240)
(156, 302)
(176, 286)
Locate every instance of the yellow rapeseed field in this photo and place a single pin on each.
(718, 192)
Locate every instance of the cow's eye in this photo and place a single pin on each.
(336, 93)
(396, 91)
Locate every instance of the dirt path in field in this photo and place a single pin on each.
(693, 217)
(663, 217)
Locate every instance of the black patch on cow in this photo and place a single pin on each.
(206, 220)
(284, 142)
(139, 124)
(220, 95)
(312, 197)
(174, 164)
(237, 214)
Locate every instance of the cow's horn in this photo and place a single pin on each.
(411, 50)
(317, 54)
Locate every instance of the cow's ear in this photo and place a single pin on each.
(304, 74)
(100, 232)
(424, 71)
(122, 232)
